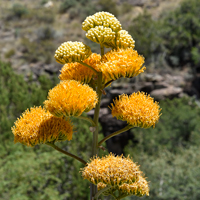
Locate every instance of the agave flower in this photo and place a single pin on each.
(119, 63)
(38, 126)
(116, 173)
(138, 109)
(79, 72)
(70, 98)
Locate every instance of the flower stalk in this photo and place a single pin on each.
(94, 70)
(65, 152)
(115, 133)
(93, 189)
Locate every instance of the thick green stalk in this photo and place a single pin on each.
(66, 153)
(93, 188)
(115, 133)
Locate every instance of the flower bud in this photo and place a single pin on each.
(70, 52)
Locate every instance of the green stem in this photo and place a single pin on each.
(94, 70)
(93, 188)
(115, 133)
(65, 152)
(101, 191)
(102, 50)
(87, 119)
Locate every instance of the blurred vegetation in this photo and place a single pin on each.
(182, 33)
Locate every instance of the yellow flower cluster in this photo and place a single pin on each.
(79, 72)
(37, 126)
(70, 98)
(121, 63)
(105, 29)
(117, 172)
(122, 40)
(70, 52)
(101, 27)
(139, 110)
(101, 34)
(105, 19)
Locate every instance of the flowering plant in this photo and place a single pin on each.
(82, 81)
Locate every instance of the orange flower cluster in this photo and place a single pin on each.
(70, 98)
(121, 63)
(119, 173)
(139, 110)
(37, 126)
(79, 72)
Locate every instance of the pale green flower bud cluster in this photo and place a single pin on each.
(124, 40)
(105, 29)
(69, 52)
(101, 27)
(100, 34)
(102, 19)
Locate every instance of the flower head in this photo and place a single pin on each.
(139, 110)
(70, 52)
(101, 34)
(118, 173)
(79, 72)
(70, 98)
(122, 40)
(111, 170)
(105, 19)
(121, 63)
(37, 126)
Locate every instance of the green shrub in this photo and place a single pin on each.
(19, 10)
(182, 32)
(9, 53)
(147, 34)
(66, 4)
(38, 51)
(171, 176)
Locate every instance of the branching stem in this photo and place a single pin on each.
(115, 133)
(65, 152)
(87, 119)
(94, 70)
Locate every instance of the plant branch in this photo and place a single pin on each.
(86, 118)
(94, 70)
(115, 133)
(65, 152)
(101, 191)
(93, 188)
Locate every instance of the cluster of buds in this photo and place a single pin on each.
(105, 29)
(82, 81)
